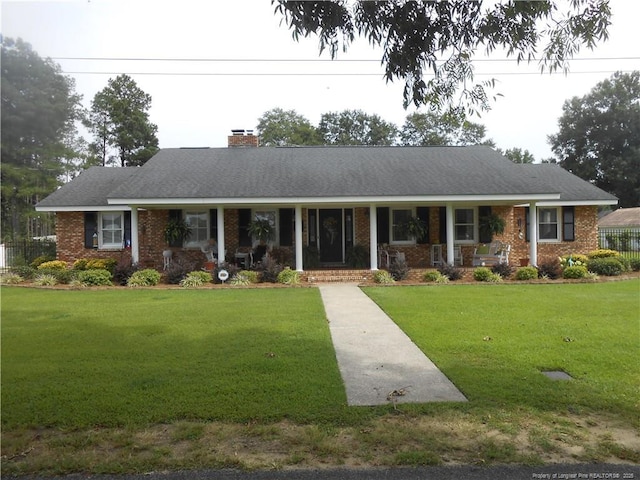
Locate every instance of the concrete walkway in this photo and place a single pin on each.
(375, 357)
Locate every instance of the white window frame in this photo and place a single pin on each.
(195, 241)
(101, 231)
(543, 222)
(466, 241)
(392, 240)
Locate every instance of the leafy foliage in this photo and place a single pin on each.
(527, 273)
(399, 270)
(609, 266)
(39, 108)
(120, 119)
(144, 278)
(289, 277)
(355, 127)
(178, 269)
(503, 269)
(426, 129)
(550, 268)
(575, 272)
(442, 37)
(357, 256)
(196, 278)
(450, 271)
(599, 137)
(123, 271)
(383, 277)
(280, 128)
(53, 265)
(435, 277)
(95, 277)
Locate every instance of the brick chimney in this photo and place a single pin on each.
(242, 138)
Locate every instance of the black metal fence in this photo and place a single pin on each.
(624, 240)
(23, 252)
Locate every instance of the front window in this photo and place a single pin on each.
(548, 228)
(199, 223)
(464, 225)
(399, 218)
(111, 229)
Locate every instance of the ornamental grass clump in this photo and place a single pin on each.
(10, 279)
(196, 278)
(144, 278)
(289, 277)
(45, 280)
(383, 277)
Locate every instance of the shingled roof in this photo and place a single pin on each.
(621, 218)
(291, 174)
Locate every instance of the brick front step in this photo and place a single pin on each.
(336, 276)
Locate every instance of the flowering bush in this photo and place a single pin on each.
(573, 260)
(53, 265)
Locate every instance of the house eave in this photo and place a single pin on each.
(572, 203)
(85, 208)
(339, 200)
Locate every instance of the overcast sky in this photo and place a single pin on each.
(197, 103)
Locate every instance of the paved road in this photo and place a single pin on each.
(503, 472)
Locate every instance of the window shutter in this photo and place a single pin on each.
(90, 227)
(568, 224)
(526, 224)
(244, 219)
(382, 214)
(442, 214)
(126, 241)
(423, 214)
(175, 215)
(484, 235)
(213, 224)
(286, 227)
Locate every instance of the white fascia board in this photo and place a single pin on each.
(150, 202)
(576, 203)
(84, 208)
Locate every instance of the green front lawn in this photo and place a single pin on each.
(135, 357)
(493, 341)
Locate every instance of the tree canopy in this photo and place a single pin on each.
(442, 38)
(120, 119)
(39, 111)
(279, 128)
(599, 137)
(355, 127)
(423, 129)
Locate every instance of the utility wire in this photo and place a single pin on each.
(300, 60)
(323, 74)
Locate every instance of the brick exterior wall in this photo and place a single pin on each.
(70, 234)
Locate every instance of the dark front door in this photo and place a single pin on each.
(330, 238)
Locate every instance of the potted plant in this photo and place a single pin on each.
(415, 228)
(491, 225)
(176, 231)
(262, 229)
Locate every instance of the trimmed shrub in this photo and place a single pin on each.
(24, 271)
(608, 266)
(144, 278)
(178, 269)
(289, 277)
(383, 277)
(53, 265)
(434, 276)
(634, 264)
(251, 275)
(196, 278)
(270, 270)
(40, 260)
(481, 274)
(576, 271)
(399, 270)
(573, 259)
(450, 271)
(503, 269)
(603, 253)
(123, 270)
(527, 273)
(550, 268)
(95, 277)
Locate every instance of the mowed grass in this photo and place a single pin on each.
(493, 341)
(136, 357)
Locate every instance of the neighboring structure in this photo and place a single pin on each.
(326, 200)
(620, 230)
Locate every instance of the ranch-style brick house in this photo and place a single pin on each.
(328, 199)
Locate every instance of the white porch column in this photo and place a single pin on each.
(450, 234)
(533, 234)
(135, 244)
(220, 238)
(298, 235)
(373, 236)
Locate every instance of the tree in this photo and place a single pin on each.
(354, 127)
(443, 37)
(517, 155)
(120, 119)
(423, 129)
(599, 137)
(279, 128)
(39, 111)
